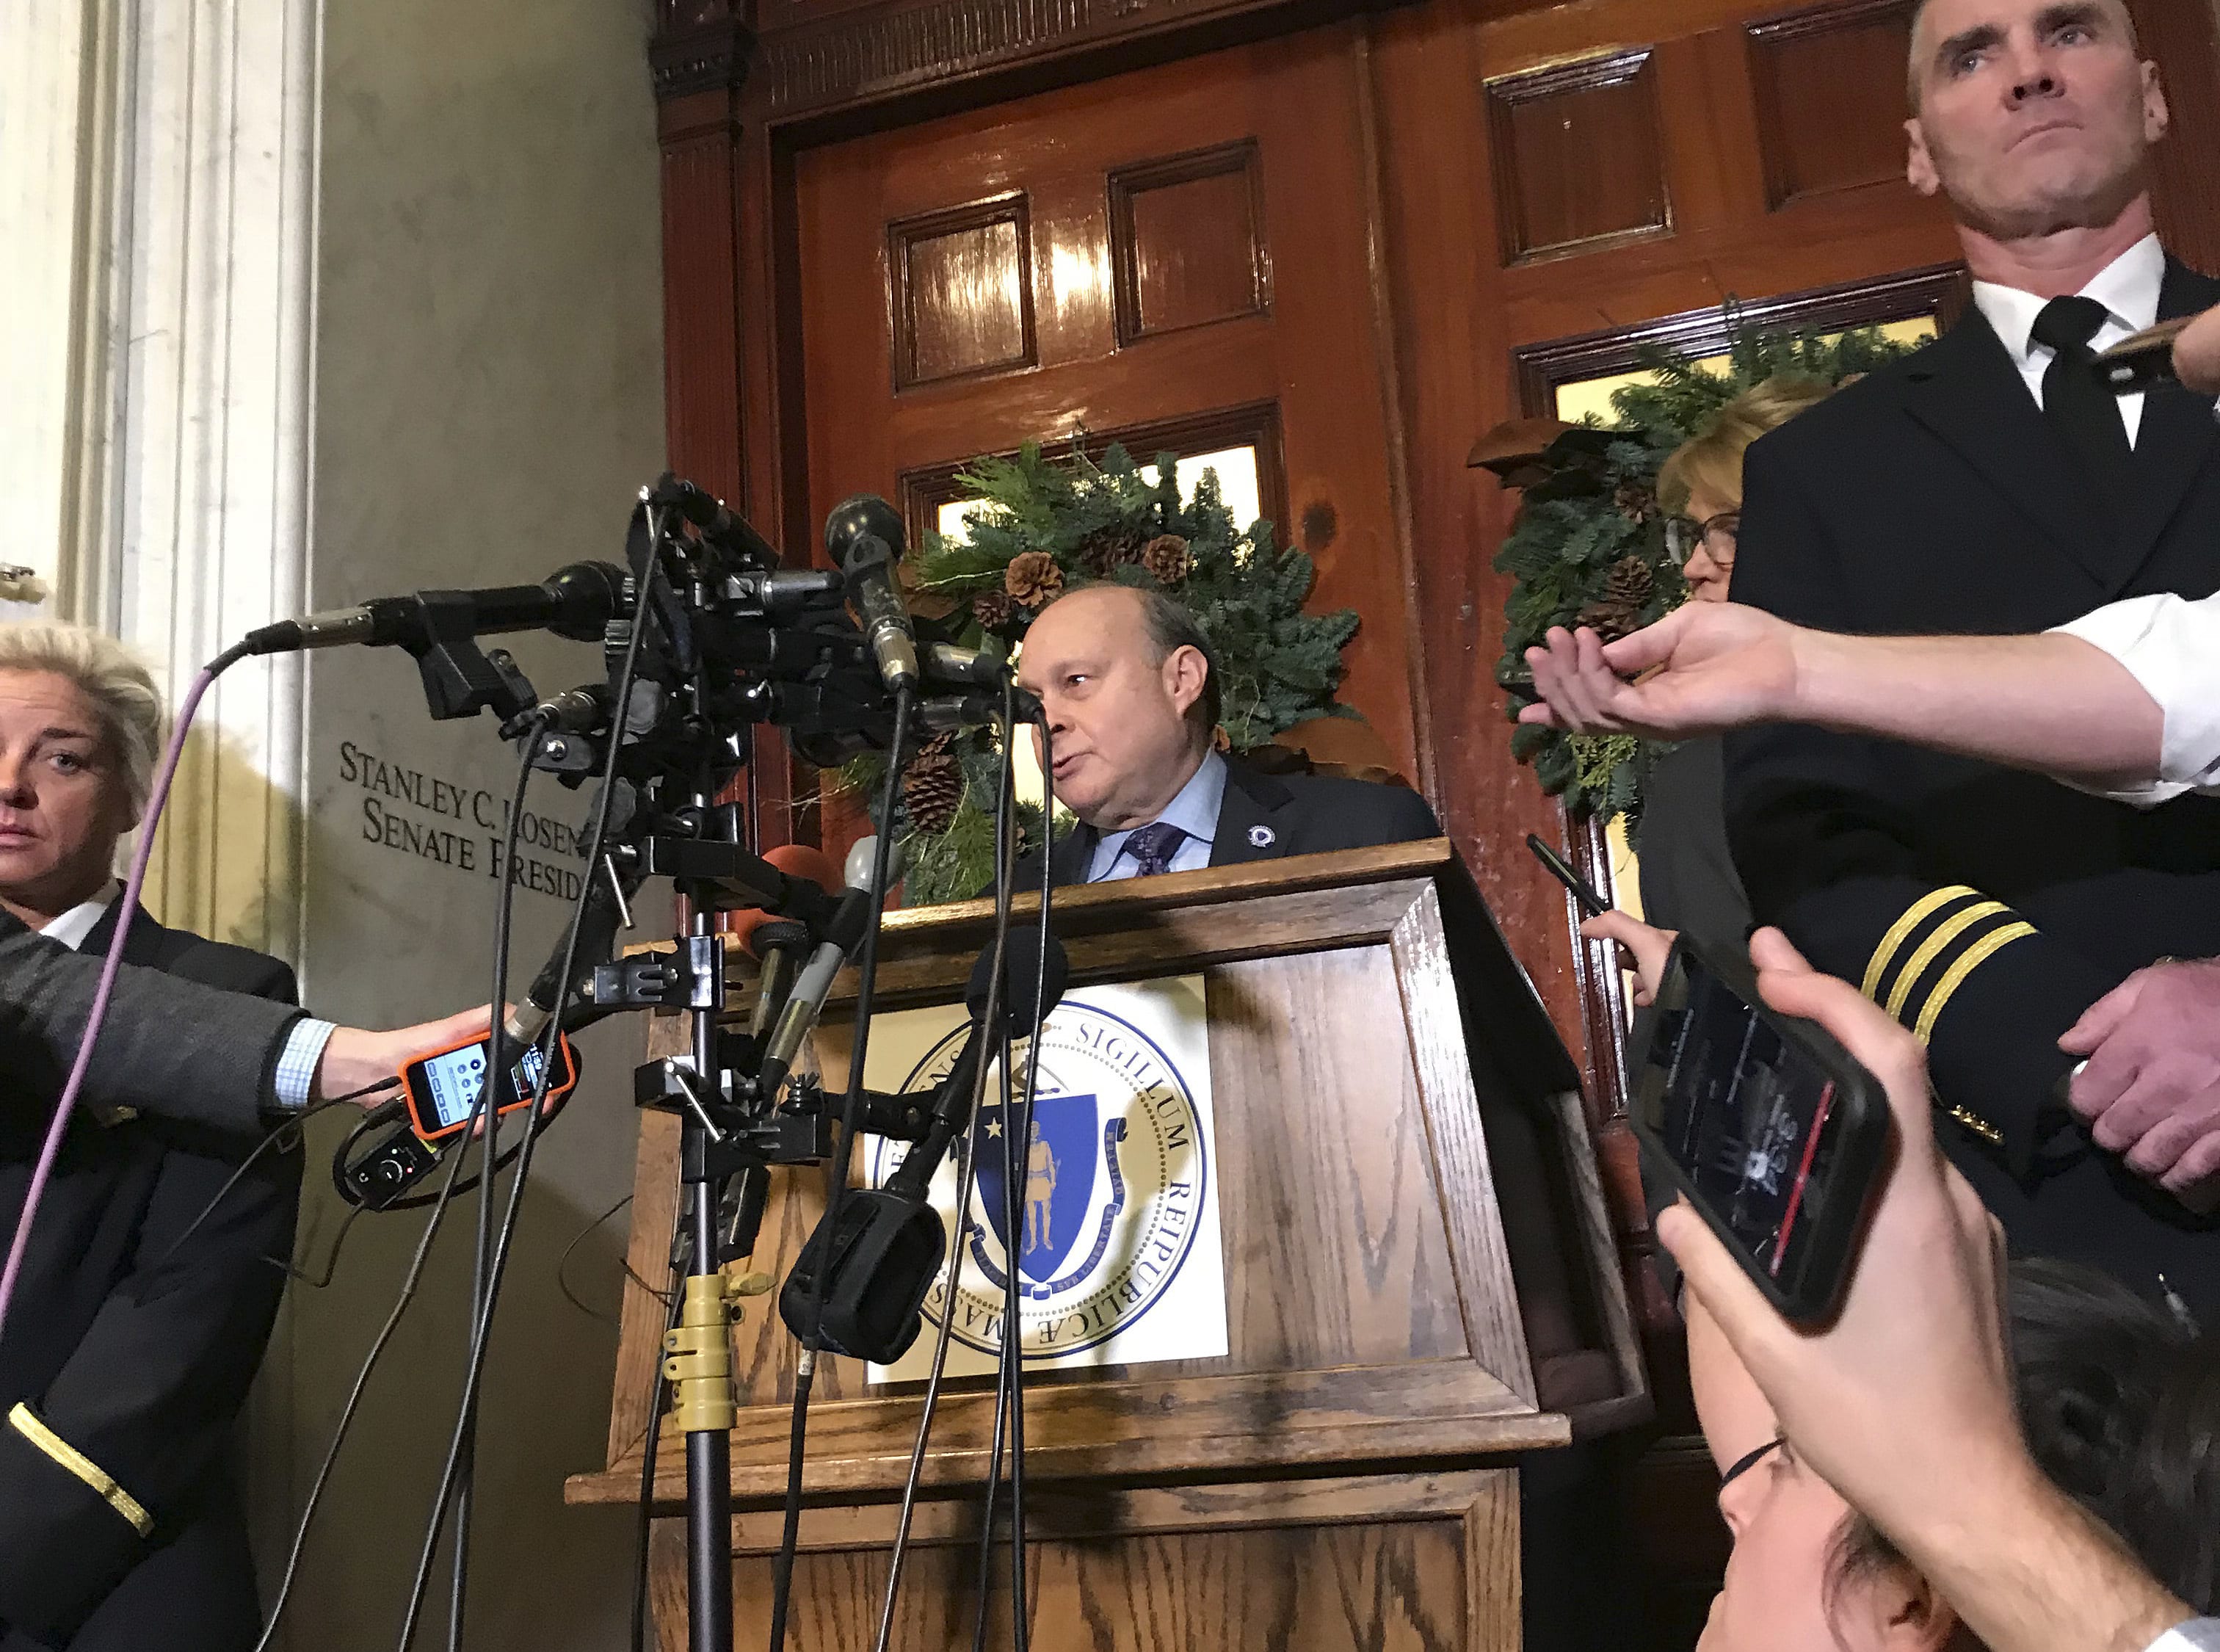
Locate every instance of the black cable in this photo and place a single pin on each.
(317, 1282)
(287, 1133)
(966, 1147)
(851, 1112)
(659, 1400)
(563, 1264)
(1009, 1386)
(505, 915)
(354, 1396)
(534, 1120)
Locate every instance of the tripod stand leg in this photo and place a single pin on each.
(699, 1365)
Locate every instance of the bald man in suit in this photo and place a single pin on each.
(1131, 695)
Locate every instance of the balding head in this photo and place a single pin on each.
(1129, 688)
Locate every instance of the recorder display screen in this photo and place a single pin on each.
(1743, 1112)
(451, 1083)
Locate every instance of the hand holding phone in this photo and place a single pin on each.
(442, 1086)
(1774, 1132)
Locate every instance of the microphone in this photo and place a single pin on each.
(843, 934)
(550, 997)
(879, 1266)
(727, 529)
(863, 536)
(577, 602)
(938, 716)
(2142, 361)
(777, 944)
(944, 663)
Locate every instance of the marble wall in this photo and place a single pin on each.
(488, 396)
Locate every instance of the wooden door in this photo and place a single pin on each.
(1178, 257)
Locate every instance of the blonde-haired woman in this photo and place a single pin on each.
(1688, 878)
(134, 1332)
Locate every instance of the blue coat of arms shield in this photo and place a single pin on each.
(1059, 1187)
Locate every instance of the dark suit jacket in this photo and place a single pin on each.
(172, 1046)
(136, 1357)
(1985, 908)
(1298, 814)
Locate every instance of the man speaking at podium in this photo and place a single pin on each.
(1131, 695)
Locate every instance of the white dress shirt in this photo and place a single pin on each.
(1194, 811)
(2128, 287)
(2170, 645)
(80, 921)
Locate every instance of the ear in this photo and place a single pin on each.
(1185, 672)
(2155, 114)
(1912, 1616)
(1919, 165)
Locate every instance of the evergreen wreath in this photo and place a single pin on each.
(1045, 523)
(1588, 544)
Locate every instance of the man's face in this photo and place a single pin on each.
(2035, 115)
(63, 800)
(1118, 715)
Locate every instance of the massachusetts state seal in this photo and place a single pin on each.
(1113, 1187)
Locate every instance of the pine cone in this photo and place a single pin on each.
(1630, 582)
(993, 609)
(1033, 578)
(932, 786)
(1166, 557)
(1610, 618)
(1112, 548)
(1636, 501)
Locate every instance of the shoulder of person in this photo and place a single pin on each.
(1341, 794)
(219, 963)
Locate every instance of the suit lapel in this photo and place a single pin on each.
(2178, 436)
(143, 946)
(1966, 391)
(1246, 829)
(1069, 860)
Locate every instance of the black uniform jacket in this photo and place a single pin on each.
(125, 1364)
(1262, 817)
(1985, 909)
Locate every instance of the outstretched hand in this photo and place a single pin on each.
(1703, 668)
(2196, 353)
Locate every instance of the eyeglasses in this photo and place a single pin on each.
(1715, 534)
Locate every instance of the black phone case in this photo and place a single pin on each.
(1859, 1113)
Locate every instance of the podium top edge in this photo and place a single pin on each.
(1336, 868)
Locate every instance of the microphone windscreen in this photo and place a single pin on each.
(1021, 966)
(795, 860)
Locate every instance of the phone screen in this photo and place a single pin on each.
(453, 1081)
(1743, 1113)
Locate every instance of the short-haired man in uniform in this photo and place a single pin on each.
(1988, 484)
(1131, 695)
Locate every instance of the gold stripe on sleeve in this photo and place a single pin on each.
(1914, 915)
(1974, 957)
(83, 1466)
(1932, 948)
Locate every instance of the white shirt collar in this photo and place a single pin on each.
(2128, 287)
(79, 921)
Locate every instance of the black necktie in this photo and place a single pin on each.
(2074, 398)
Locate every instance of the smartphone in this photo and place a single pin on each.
(1583, 891)
(2142, 361)
(1773, 1131)
(442, 1087)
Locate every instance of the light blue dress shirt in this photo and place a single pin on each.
(1194, 811)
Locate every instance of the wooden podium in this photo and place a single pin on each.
(1420, 1285)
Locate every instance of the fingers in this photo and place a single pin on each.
(1771, 950)
(1716, 1285)
(2102, 1018)
(1619, 926)
(1651, 646)
(2197, 1170)
(2196, 353)
(2154, 1155)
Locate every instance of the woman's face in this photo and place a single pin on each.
(1784, 1521)
(63, 800)
(1710, 564)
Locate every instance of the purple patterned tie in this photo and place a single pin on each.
(1153, 846)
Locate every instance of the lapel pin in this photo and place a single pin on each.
(1262, 837)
